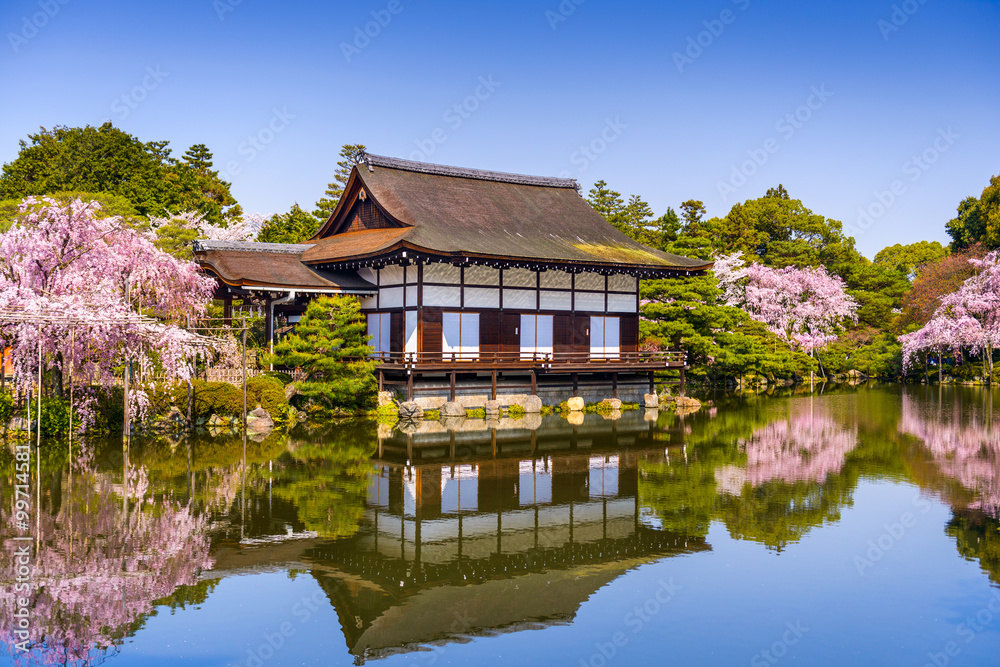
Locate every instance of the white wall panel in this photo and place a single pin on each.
(587, 280)
(482, 275)
(621, 303)
(391, 275)
(391, 297)
(557, 279)
(482, 297)
(449, 297)
(519, 278)
(442, 273)
(620, 282)
(590, 301)
(519, 298)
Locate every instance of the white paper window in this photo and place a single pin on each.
(557, 279)
(442, 296)
(482, 275)
(519, 299)
(605, 337)
(590, 301)
(411, 295)
(482, 297)
(460, 335)
(593, 281)
(368, 274)
(620, 282)
(519, 278)
(411, 331)
(368, 303)
(556, 301)
(391, 275)
(442, 273)
(536, 335)
(621, 303)
(379, 328)
(391, 297)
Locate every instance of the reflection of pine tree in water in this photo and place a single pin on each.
(100, 569)
(977, 537)
(960, 437)
(327, 478)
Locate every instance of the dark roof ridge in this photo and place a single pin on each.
(370, 161)
(204, 245)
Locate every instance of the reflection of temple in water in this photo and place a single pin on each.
(473, 534)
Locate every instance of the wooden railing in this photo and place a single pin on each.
(528, 360)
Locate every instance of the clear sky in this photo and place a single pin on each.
(841, 102)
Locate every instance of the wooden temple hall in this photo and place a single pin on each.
(471, 281)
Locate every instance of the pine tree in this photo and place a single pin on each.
(330, 344)
(335, 190)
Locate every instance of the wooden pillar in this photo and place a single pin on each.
(493, 390)
(683, 381)
(227, 309)
(451, 392)
(576, 384)
(381, 381)
(534, 382)
(614, 385)
(652, 383)
(409, 386)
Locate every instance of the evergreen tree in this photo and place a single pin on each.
(330, 343)
(335, 190)
(296, 226)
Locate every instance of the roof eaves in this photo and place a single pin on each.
(368, 160)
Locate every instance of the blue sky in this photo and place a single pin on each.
(841, 102)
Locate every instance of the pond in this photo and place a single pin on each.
(854, 527)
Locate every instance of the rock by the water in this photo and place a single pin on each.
(452, 409)
(259, 420)
(651, 400)
(410, 411)
(576, 404)
(609, 404)
(290, 391)
(385, 398)
(532, 404)
(492, 408)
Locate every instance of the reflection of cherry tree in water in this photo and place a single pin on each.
(102, 564)
(807, 446)
(963, 442)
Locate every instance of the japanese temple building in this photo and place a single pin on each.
(466, 277)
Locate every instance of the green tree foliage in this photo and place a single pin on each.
(107, 160)
(907, 259)
(335, 190)
(296, 226)
(330, 343)
(978, 220)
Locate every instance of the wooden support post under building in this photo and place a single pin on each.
(409, 386)
(614, 385)
(534, 383)
(451, 392)
(381, 381)
(576, 384)
(493, 389)
(652, 383)
(683, 381)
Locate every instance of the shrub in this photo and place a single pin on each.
(269, 393)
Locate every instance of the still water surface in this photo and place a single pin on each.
(854, 528)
